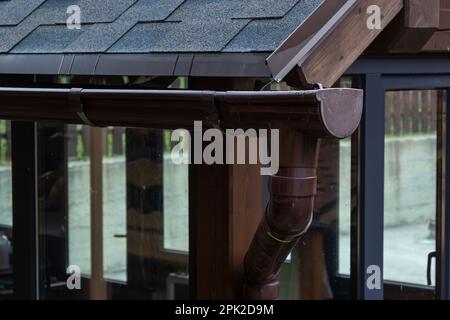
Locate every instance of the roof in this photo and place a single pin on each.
(150, 26)
(304, 42)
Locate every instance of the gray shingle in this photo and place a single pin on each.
(152, 10)
(228, 9)
(197, 36)
(55, 12)
(14, 11)
(264, 8)
(50, 39)
(102, 36)
(150, 25)
(92, 11)
(267, 35)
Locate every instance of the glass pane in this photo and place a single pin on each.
(345, 206)
(108, 198)
(410, 205)
(6, 279)
(78, 197)
(115, 206)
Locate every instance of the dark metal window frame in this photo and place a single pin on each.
(25, 223)
(378, 76)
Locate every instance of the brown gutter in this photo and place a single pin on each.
(303, 117)
(133, 108)
(324, 112)
(170, 109)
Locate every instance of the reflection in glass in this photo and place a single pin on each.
(410, 184)
(113, 204)
(6, 241)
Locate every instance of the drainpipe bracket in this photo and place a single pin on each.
(76, 102)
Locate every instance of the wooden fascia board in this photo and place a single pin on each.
(422, 14)
(306, 37)
(326, 54)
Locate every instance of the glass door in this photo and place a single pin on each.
(411, 191)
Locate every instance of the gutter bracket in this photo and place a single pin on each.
(76, 102)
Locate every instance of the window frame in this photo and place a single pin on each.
(379, 75)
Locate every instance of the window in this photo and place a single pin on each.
(114, 205)
(411, 184)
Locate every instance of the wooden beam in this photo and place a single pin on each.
(338, 46)
(311, 264)
(304, 39)
(444, 20)
(411, 30)
(228, 206)
(439, 42)
(422, 14)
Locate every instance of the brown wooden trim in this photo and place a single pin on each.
(337, 49)
(422, 14)
(227, 208)
(444, 20)
(445, 15)
(307, 36)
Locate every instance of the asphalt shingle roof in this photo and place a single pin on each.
(150, 26)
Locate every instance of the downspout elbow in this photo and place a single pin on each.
(287, 217)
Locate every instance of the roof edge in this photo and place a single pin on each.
(170, 64)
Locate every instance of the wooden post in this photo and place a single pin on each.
(227, 205)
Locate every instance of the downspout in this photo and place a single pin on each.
(302, 122)
(287, 216)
